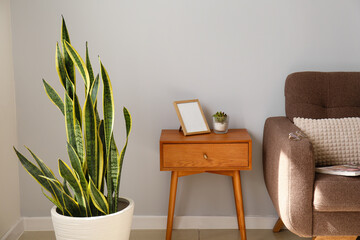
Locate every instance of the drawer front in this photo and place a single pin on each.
(206, 155)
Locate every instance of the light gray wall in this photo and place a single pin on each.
(233, 55)
(9, 174)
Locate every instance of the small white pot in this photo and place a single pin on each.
(221, 127)
(114, 226)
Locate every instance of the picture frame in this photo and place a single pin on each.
(191, 117)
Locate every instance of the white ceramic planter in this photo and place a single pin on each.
(114, 226)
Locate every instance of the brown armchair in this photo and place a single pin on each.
(311, 204)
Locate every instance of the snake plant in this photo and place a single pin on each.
(90, 185)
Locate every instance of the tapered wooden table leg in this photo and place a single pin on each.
(239, 204)
(172, 197)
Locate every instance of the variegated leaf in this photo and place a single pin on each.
(69, 121)
(74, 182)
(55, 202)
(98, 198)
(79, 143)
(77, 109)
(90, 134)
(77, 166)
(54, 96)
(45, 169)
(94, 89)
(69, 65)
(89, 67)
(128, 124)
(79, 63)
(60, 66)
(34, 171)
(102, 157)
(108, 106)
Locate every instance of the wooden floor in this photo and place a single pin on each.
(188, 234)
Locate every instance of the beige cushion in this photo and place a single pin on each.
(335, 140)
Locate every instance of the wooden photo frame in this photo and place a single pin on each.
(191, 117)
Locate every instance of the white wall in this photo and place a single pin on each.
(9, 174)
(234, 55)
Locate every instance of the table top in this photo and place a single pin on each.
(233, 135)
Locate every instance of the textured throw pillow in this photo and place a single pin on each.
(335, 140)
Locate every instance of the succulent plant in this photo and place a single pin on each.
(220, 117)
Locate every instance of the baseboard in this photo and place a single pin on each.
(15, 231)
(38, 224)
(181, 222)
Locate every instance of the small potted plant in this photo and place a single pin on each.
(221, 122)
(86, 199)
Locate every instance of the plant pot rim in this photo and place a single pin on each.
(127, 208)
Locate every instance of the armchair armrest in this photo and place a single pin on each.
(289, 172)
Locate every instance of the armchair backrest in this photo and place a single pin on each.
(322, 95)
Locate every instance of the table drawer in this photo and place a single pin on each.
(205, 155)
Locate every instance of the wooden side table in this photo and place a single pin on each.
(224, 154)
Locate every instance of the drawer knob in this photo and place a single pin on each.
(205, 156)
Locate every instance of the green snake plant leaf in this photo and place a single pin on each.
(128, 124)
(60, 66)
(101, 161)
(98, 198)
(66, 189)
(69, 120)
(41, 175)
(77, 109)
(101, 164)
(54, 96)
(69, 65)
(71, 207)
(34, 171)
(114, 164)
(94, 89)
(128, 121)
(79, 63)
(90, 134)
(70, 88)
(102, 151)
(55, 202)
(74, 182)
(77, 166)
(58, 195)
(89, 67)
(45, 169)
(79, 143)
(108, 106)
(97, 114)
(58, 192)
(78, 128)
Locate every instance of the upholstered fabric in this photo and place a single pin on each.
(336, 223)
(336, 141)
(322, 95)
(289, 172)
(336, 193)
